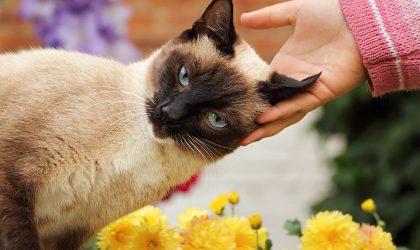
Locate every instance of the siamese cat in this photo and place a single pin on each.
(85, 140)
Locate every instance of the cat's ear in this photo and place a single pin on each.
(217, 23)
(280, 87)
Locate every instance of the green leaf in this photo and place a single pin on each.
(90, 245)
(402, 248)
(293, 227)
(268, 244)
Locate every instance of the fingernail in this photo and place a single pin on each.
(243, 17)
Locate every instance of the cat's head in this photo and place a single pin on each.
(209, 86)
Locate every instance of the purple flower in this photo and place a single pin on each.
(78, 6)
(97, 27)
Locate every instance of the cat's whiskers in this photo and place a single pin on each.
(181, 142)
(193, 143)
(215, 144)
(210, 151)
(196, 148)
(146, 105)
(196, 142)
(152, 99)
(116, 124)
(119, 92)
(123, 122)
(148, 111)
(117, 102)
(214, 150)
(125, 91)
(113, 115)
(188, 146)
(94, 93)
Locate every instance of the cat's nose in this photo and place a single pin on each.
(172, 112)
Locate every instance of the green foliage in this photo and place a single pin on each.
(381, 159)
(268, 244)
(293, 227)
(91, 245)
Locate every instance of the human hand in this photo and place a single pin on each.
(321, 42)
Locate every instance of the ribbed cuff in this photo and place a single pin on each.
(376, 55)
(383, 78)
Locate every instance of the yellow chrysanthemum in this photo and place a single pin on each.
(218, 204)
(233, 198)
(207, 233)
(116, 235)
(369, 206)
(245, 236)
(152, 237)
(374, 238)
(150, 215)
(255, 221)
(189, 214)
(331, 231)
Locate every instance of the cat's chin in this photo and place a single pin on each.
(158, 135)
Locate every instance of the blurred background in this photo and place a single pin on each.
(352, 149)
(147, 24)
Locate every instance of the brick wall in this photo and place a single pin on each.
(14, 33)
(153, 23)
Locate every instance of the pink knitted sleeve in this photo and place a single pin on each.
(387, 33)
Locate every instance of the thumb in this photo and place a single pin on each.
(277, 15)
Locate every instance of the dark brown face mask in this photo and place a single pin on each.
(208, 99)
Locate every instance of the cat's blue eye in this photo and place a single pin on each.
(183, 76)
(215, 120)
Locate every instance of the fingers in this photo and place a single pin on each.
(271, 129)
(302, 103)
(315, 96)
(272, 16)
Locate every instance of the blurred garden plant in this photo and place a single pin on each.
(380, 159)
(148, 229)
(97, 27)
